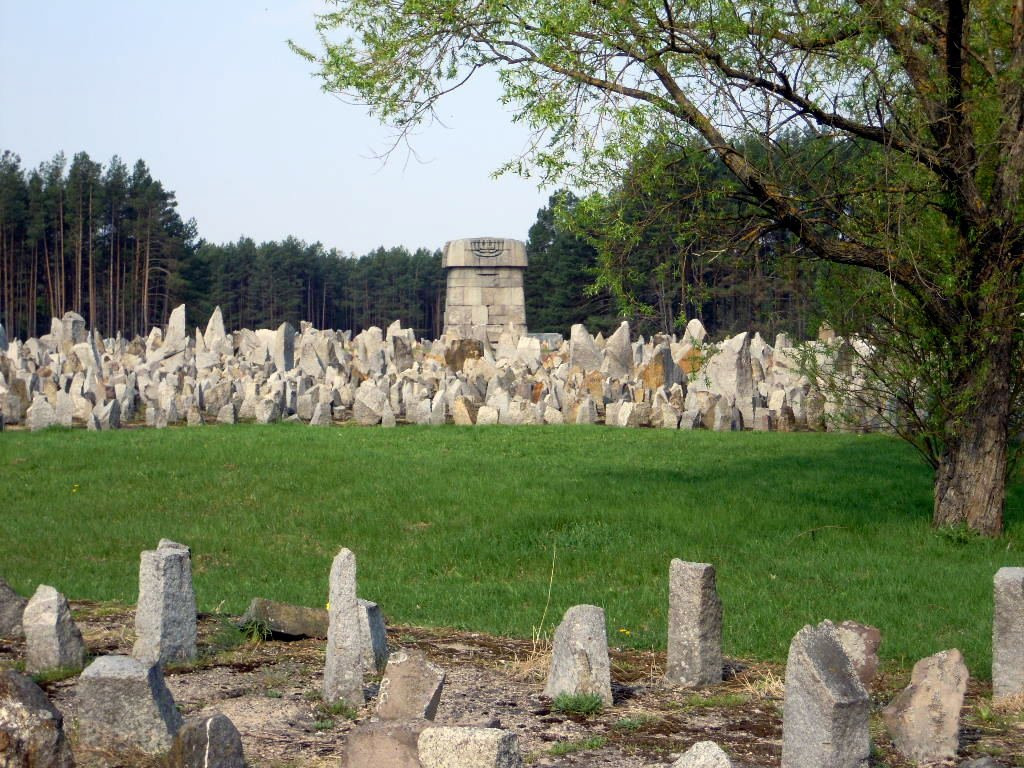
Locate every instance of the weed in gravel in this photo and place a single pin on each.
(585, 704)
(634, 723)
(568, 747)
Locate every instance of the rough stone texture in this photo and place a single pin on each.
(52, 640)
(410, 689)
(1008, 633)
(579, 655)
(31, 728)
(484, 294)
(207, 742)
(825, 713)
(343, 667)
(924, 719)
(385, 744)
(583, 352)
(469, 748)
(124, 704)
(861, 644)
(12, 607)
(703, 754)
(694, 626)
(165, 617)
(370, 404)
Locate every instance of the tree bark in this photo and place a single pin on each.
(970, 480)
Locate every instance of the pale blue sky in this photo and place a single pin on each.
(209, 96)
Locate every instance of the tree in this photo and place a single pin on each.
(927, 99)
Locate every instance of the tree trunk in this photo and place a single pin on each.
(970, 480)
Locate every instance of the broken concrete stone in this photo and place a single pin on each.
(924, 719)
(825, 713)
(343, 668)
(694, 625)
(52, 640)
(31, 728)
(411, 687)
(123, 704)
(1008, 633)
(207, 742)
(165, 617)
(579, 655)
(453, 747)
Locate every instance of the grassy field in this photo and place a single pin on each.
(460, 527)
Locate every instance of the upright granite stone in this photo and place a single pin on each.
(1008, 634)
(825, 713)
(373, 636)
(52, 640)
(484, 293)
(12, 607)
(579, 655)
(343, 668)
(453, 747)
(924, 719)
(123, 704)
(31, 728)
(207, 742)
(165, 617)
(703, 754)
(411, 688)
(694, 626)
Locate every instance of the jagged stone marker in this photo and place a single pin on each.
(165, 617)
(52, 640)
(343, 668)
(579, 655)
(694, 625)
(825, 713)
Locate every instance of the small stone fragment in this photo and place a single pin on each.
(207, 742)
(52, 640)
(31, 728)
(410, 689)
(124, 704)
(453, 747)
(694, 625)
(924, 719)
(579, 655)
(703, 754)
(825, 713)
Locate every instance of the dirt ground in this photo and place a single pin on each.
(270, 690)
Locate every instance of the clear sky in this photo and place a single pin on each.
(208, 94)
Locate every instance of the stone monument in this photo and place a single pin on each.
(484, 287)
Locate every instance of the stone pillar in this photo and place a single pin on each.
(694, 625)
(1008, 634)
(484, 293)
(343, 668)
(165, 617)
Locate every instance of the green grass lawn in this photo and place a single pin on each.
(459, 527)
